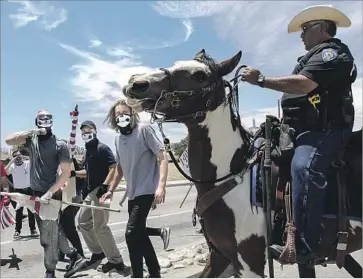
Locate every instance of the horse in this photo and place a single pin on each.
(194, 93)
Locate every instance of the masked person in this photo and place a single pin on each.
(99, 170)
(138, 151)
(318, 103)
(67, 218)
(18, 167)
(163, 233)
(47, 154)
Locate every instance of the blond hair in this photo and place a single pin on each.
(111, 117)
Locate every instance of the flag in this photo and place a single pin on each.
(44, 211)
(6, 218)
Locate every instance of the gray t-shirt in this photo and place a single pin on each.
(45, 162)
(136, 154)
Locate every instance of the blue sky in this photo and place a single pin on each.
(57, 54)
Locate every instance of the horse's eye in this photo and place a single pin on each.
(199, 76)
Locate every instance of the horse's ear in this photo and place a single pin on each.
(200, 54)
(228, 65)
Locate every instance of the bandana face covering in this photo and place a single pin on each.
(18, 161)
(124, 124)
(87, 137)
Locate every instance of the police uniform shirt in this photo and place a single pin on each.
(330, 65)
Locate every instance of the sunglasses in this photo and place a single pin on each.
(305, 29)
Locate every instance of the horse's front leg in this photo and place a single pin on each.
(215, 266)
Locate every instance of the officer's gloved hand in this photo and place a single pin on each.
(46, 197)
(102, 190)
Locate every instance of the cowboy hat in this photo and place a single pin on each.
(318, 12)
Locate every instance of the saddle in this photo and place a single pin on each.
(282, 150)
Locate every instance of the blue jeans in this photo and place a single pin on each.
(313, 155)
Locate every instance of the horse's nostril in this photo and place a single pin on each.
(140, 86)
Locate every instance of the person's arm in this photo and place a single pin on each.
(156, 146)
(109, 159)
(117, 179)
(10, 166)
(21, 137)
(320, 70)
(123, 199)
(294, 84)
(163, 161)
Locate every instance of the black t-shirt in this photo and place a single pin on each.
(330, 65)
(98, 159)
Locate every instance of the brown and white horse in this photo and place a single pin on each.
(193, 93)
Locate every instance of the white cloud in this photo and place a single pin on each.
(259, 28)
(190, 9)
(48, 16)
(174, 41)
(94, 43)
(189, 29)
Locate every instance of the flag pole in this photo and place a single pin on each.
(65, 202)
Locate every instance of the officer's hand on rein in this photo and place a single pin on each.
(251, 75)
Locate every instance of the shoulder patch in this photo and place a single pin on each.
(329, 54)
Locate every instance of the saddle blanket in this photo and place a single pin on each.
(354, 208)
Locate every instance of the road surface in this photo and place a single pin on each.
(28, 262)
(28, 259)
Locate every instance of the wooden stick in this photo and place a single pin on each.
(91, 206)
(70, 203)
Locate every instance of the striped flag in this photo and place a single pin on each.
(48, 211)
(6, 218)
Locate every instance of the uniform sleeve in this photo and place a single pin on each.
(151, 140)
(108, 156)
(63, 153)
(327, 66)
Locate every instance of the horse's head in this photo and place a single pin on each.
(185, 91)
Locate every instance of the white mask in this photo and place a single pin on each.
(44, 120)
(87, 137)
(123, 120)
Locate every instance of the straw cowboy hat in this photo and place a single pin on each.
(318, 12)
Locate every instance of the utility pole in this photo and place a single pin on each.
(278, 109)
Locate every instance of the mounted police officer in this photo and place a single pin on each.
(317, 102)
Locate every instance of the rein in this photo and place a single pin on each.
(231, 98)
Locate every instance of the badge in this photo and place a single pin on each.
(329, 54)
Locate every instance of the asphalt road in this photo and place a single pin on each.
(28, 259)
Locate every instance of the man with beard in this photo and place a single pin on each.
(142, 159)
(318, 104)
(47, 153)
(18, 167)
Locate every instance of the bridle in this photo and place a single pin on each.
(210, 104)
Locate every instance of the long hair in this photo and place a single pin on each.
(111, 117)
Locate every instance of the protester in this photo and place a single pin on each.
(137, 151)
(68, 215)
(18, 167)
(99, 170)
(47, 153)
(163, 233)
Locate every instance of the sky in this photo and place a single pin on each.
(57, 54)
